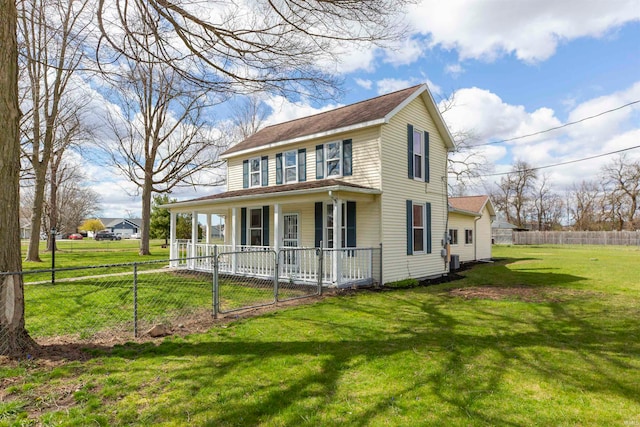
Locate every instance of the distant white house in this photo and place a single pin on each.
(470, 227)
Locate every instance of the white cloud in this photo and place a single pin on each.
(406, 52)
(389, 85)
(363, 83)
(530, 29)
(489, 118)
(454, 69)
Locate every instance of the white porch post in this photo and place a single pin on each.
(194, 235)
(207, 238)
(337, 240)
(234, 238)
(277, 223)
(173, 244)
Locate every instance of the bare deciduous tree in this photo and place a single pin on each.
(51, 38)
(514, 194)
(584, 199)
(467, 164)
(622, 182)
(246, 47)
(162, 140)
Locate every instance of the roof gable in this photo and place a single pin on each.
(374, 111)
(473, 204)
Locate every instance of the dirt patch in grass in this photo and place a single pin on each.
(516, 292)
(57, 350)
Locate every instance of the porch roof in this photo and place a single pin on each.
(308, 187)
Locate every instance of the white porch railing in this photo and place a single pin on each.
(340, 267)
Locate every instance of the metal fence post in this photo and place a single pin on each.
(276, 276)
(216, 295)
(135, 300)
(320, 254)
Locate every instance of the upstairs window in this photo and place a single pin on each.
(334, 159)
(290, 166)
(418, 153)
(255, 172)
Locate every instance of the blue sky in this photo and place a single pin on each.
(518, 67)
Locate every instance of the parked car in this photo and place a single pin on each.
(75, 236)
(106, 235)
(135, 236)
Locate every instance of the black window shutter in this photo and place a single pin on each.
(428, 226)
(243, 226)
(426, 156)
(265, 226)
(279, 168)
(319, 161)
(351, 224)
(265, 170)
(347, 158)
(410, 149)
(318, 223)
(409, 227)
(302, 164)
(245, 174)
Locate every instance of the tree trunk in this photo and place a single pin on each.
(13, 336)
(146, 217)
(33, 253)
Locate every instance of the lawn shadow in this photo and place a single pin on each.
(457, 332)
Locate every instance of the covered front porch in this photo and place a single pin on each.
(318, 233)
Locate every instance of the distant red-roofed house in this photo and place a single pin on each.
(470, 221)
(360, 176)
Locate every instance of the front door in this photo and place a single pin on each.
(291, 239)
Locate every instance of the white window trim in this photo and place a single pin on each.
(424, 228)
(284, 166)
(451, 238)
(465, 236)
(325, 227)
(421, 134)
(327, 160)
(250, 228)
(259, 172)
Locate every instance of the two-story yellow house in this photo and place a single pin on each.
(366, 182)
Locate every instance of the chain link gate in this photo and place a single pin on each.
(258, 277)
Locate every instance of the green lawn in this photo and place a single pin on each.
(75, 253)
(558, 345)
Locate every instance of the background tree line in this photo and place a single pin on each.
(609, 201)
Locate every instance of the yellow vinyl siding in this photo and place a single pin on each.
(397, 188)
(483, 239)
(365, 159)
(367, 217)
(461, 223)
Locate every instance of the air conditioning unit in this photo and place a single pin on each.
(455, 262)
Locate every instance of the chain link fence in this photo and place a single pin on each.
(99, 303)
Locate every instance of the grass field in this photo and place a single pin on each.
(545, 336)
(74, 253)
